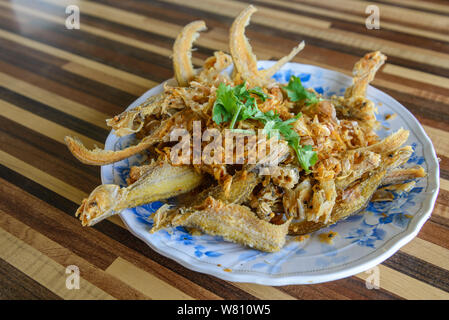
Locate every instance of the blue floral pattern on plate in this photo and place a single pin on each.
(362, 240)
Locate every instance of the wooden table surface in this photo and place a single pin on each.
(55, 81)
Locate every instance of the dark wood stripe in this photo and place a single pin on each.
(37, 190)
(15, 285)
(89, 244)
(20, 57)
(435, 233)
(439, 214)
(59, 117)
(433, 89)
(36, 214)
(349, 288)
(28, 145)
(68, 92)
(148, 10)
(444, 167)
(223, 288)
(64, 257)
(168, 12)
(297, 35)
(404, 5)
(423, 108)
(410, 23)
(419, 269)
(383, 33)
(396, 36)
(115, 54)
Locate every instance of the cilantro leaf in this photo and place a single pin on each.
(225, 104)
(296, 92)
(236, 103)
(220, 114)
(258, 91)
(306, 156)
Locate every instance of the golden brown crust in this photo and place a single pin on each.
(390, 143)
(101, 157)
(355, 197)
(401, 174)
(364, 71)
(235, 223)
(160, 181)
(245, 61)
(182, 52)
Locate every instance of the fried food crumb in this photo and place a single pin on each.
(328, 237)
(390, 116)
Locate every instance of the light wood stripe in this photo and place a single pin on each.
(53, 100)
(77, 68)
(264, 292)
(93, 74)
(428, 252)
(65, 257)
(405, 286)
(267, 17)
(429, 95)
(44, 270)
(122, 17)
(339, 36)
(360, 19)
(78, 59)
(96, 31)
(264, 16)
(214, 39)
(444, 184)
(41, 125)
(441, 211)
(271, 17)
(401, 15)
(416, 75)
(419, 4)
(43, 178)
(144, 282)
(439, 139)
(104, 78)
(54, 184)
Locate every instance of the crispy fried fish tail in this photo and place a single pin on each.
(161, 182)
(101, 157)
(364, 71)
(401, 174)
(245, 61)
(182, 52)
(234, 223)
(389, 144)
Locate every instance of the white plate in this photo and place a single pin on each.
(363, 240)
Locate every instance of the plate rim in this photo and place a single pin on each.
(365, 263)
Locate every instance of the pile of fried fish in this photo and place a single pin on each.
(331, 163)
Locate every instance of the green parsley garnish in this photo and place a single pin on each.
(296, 92)
(236, 103)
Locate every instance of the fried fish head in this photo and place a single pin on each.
(99, 205)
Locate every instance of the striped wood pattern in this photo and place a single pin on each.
(55, 81)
